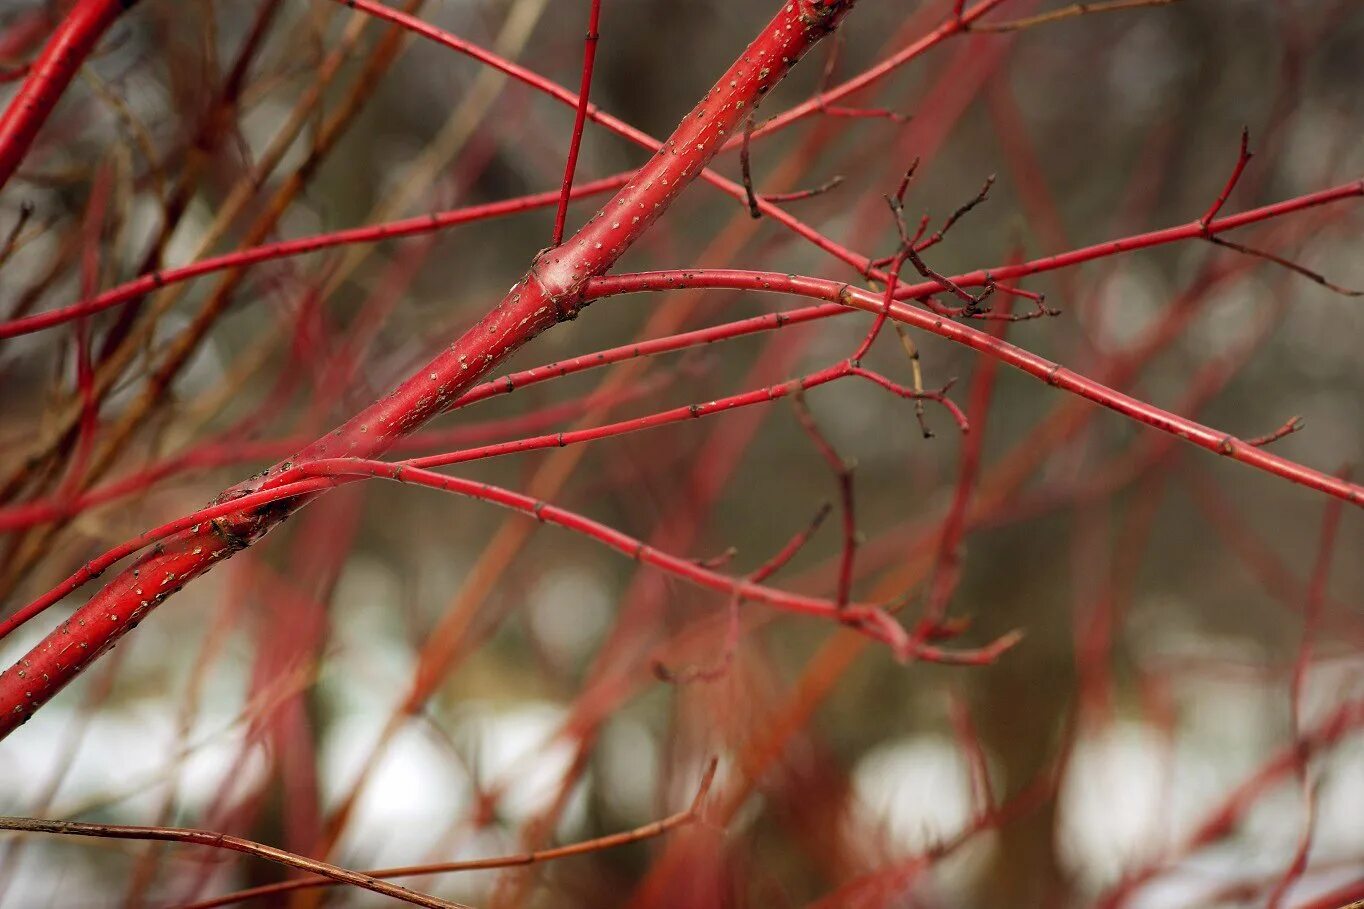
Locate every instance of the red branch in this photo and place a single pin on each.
(579, 119)
(551, 291)
(216, 840)
(70, 45)
(307, 479)
(1052, 373)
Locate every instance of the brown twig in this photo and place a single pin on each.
(332, 873)
(1068, 12)
(693, 814)
(1289, 264)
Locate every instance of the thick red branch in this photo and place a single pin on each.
(551, 291)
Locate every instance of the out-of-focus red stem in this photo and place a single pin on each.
(692, 814)
(843, 473)
(681, 414)
(72, 42)
(217, 840)
(436, 221)
(1242, 159)
(1189, 231)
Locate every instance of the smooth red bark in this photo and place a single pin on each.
(67, 49)
(551, 291)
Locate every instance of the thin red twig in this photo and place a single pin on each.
(579, 119)
(552, 290)
(694, 813)
(1050, 372)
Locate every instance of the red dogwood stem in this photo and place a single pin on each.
(1052, 373)
(391, 230)
(67, 49)
(551, 291)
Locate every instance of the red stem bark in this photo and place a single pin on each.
(68, 48)
(551, 291)
(579, 119)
